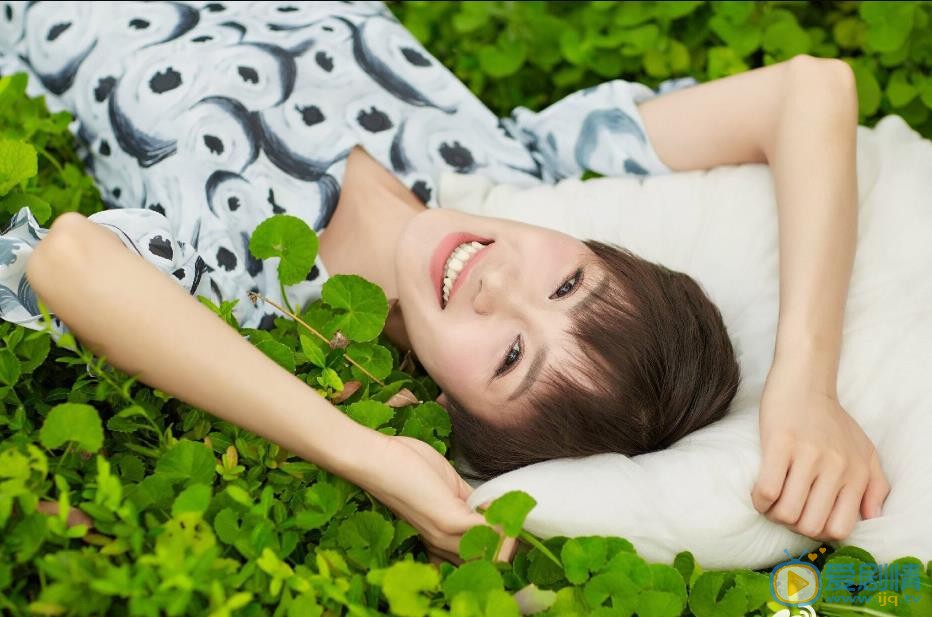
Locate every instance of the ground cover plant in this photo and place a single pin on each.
(118, 499)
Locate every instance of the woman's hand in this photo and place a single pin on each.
(420, 485)
(819, 468)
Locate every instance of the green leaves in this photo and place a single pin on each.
(510, 510)
(533, 54)
(18, 163)
(360, 306)
(191, 514)
(39, 167)
(404, 584)
(504, 58)
(74, 422)
(290, 239)
(189, 462)
(889, 24)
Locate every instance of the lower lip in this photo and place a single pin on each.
(439, 258)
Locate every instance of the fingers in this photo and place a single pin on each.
(841, 521)
(770, 483)
(507, 552)
(877, 490)
(818, 506)
(437, 556)
(800, 479)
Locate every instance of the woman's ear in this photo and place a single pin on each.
(395, 326)
(442, 401)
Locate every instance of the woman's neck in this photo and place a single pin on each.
(361, 237)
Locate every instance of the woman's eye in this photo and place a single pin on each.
(514, 352)
(511, 358)
(568, 285)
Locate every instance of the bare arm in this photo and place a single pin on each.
(800, 117)
(142, 322)
(126, 310)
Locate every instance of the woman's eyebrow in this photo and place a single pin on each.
(581, 305)
(538, 362)
(536, 365)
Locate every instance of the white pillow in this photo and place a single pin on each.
(720, 227)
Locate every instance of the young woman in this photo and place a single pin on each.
(204, 119)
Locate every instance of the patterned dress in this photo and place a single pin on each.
(199, 120)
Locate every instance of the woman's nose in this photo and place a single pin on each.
(494, 293)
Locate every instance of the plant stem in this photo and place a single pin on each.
(254, 295)
(848, 609)
(285, 296)
(51, 159)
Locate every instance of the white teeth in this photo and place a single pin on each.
(455, 264)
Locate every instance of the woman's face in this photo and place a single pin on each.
(511, 306)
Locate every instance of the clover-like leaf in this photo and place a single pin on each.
(509, 511)
(361, 306)
(18, 162)
(479, 541)
(195, 498)
(189, 462)
(75, 422)
(404, 583)
(476, 576)
(370, 413)
(289, 238)
(374, 358)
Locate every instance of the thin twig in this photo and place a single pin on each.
(254, 295)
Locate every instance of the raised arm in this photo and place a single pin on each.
(799, 116)
(143, 323)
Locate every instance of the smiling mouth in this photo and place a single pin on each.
(455, 265)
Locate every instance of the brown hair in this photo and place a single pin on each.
(659, 364)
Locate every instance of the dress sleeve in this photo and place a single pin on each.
(145, 232)
(597, 129)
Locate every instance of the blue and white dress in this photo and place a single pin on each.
(199, 120)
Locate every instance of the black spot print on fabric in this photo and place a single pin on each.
(267, 322)
(414, 57)
(421, 191)
(327, 29)
(138, 24)
(275, 207)
(233, 203)
(313, 274)
(179, 274)
(162, 247)
(9, 12)
(157, 208)
(213, 144)
(215, 7)
(57, 30)
(253, 266)
(116, 192)
(164, 81)
(104, 148)
(324, 61)
(104, 88)
(632, 167)
(202, 39)
(374, 120)
(310, 115)
(248, 74)
(226, 258)
(457, 156)
(286, 9)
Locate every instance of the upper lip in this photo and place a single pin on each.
(467, 270)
